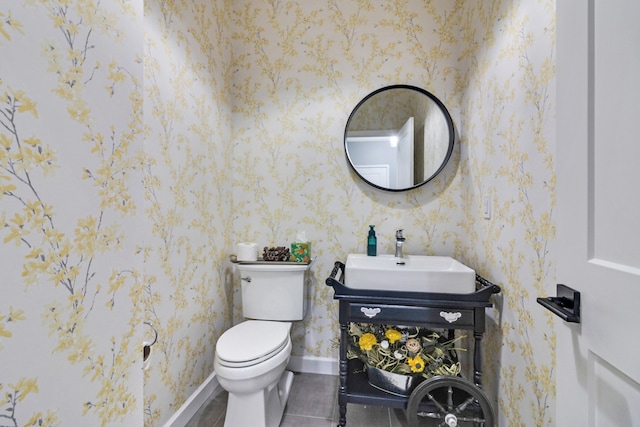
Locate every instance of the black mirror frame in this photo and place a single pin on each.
(444, 111)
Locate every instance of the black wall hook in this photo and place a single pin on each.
(566, 304)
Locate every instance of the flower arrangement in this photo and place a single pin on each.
(403, 350)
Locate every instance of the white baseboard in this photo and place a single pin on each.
(313, 365)
(209, 388)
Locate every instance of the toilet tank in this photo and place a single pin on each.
(273, 291)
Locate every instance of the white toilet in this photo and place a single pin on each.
(251, 357)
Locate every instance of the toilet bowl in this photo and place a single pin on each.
(251, 357)
(250, 364)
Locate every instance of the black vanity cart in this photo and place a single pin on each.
(447, 400)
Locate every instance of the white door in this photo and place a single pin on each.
(405, 154)
(375, 174)
(598, 166)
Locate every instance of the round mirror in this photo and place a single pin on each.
(399, 137)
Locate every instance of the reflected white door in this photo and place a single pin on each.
(375, 174)
(598, 166)
(405, 154)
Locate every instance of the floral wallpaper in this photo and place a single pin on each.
(300, 68)
(187, 181)
(509, 138)
(70, 201)
(141, 140)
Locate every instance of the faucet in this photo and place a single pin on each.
(399, 241)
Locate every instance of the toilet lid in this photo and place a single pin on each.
(252, 341)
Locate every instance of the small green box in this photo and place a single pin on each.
(300, 252)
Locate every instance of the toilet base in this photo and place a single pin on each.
(263, 408)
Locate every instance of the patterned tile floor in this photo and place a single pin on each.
(313, 402)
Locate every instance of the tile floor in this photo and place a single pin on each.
(313, 402)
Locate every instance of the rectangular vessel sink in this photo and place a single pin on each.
(412, 273)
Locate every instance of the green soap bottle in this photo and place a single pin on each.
(372, 242)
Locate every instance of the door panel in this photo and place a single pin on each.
(613, 394)
(615, 56)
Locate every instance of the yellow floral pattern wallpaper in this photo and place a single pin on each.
(70, 203)
(140, 140)
(301, 67)
(187, 180)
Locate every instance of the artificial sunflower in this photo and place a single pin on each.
(416, 363)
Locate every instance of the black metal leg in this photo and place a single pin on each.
(342, 391)
(477, 359)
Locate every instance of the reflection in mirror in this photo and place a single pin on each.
(399, 137)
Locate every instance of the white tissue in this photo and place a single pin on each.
(301, 237)
(247, 251)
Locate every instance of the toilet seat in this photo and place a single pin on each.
(252, 342)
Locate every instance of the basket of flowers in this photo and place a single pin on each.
(398, 358)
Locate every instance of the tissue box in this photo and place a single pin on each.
(300, 252)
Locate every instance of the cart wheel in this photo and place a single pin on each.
(449, 401)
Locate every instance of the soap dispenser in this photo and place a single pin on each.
(372, 243)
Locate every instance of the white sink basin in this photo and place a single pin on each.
(419, 273)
